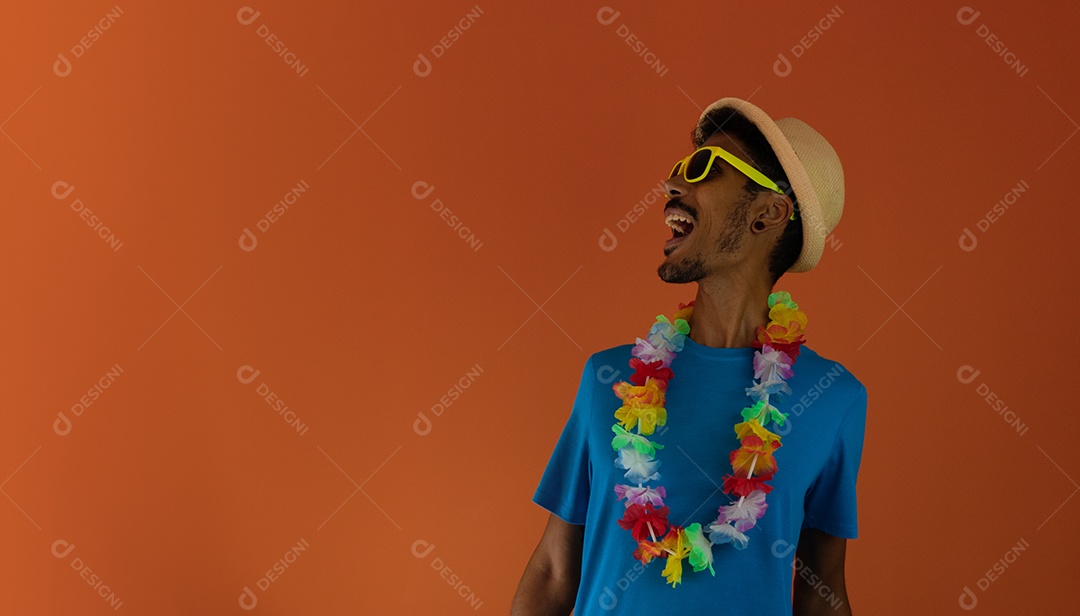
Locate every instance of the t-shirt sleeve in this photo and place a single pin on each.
(564, 486)
(830, 502)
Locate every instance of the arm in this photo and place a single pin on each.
(820, 589)
(550, 581)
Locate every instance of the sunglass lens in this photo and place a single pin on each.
(698, 165)
(675, 170)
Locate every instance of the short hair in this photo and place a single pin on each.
(729, 121)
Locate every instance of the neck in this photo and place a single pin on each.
(727, 313)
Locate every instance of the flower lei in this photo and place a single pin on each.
(643, 410)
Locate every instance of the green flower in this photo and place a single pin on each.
(763, 412)
(782, 297)
(701, 557)
(623, 438)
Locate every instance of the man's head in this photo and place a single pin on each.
(737, 222)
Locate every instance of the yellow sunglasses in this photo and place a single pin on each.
(697, 165)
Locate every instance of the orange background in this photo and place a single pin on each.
(538, 128)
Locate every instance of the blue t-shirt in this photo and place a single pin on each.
(814, 486)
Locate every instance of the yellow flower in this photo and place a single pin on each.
(678, 548)
(649, 417)
(791, 322)
(754, 427)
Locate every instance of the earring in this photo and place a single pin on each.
(758, 225)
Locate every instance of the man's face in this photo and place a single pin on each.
(719, 210)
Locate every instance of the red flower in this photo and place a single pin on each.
(639, 518)
(743, 486)
(790, 348)
(652, 369)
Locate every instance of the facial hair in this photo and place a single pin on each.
(692, 268)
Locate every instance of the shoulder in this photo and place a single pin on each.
(821, 376)
(610, 364)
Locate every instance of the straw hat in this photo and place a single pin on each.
(813, 169)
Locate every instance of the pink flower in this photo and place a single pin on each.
(646, 352)
(746, 514)
(642, 495)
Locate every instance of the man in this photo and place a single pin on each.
(757, 204)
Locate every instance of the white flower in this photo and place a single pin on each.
(639, 467)
(722, 532)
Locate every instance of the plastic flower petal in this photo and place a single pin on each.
(700, 549)
(786, 326)
(646, 351)
(725, 533)
(649, 417)
(760, 390)
(639, 468)
(639, 396)
(640, 443)
(755, 454)
(642, 495)
(754, 427)
(772, 365)
(782, 297)
(684, 312)
(646, 551)
(665, 333)
(644, 521)
(743, 486)
(675, 544)
(746, 514)
(783, 317)
(650, 370)
(762, 411)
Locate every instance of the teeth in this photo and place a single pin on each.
(671, 219)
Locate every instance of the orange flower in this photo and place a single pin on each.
(647, 550)
(754, 451)
(639, 396)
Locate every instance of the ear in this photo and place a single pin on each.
(775, 211)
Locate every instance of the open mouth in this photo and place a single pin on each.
(681, 226)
